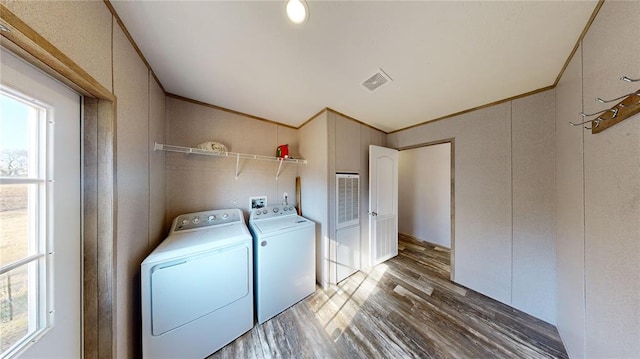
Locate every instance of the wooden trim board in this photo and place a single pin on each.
(580, 38)
(312, 117)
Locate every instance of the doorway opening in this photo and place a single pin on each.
(426, 206)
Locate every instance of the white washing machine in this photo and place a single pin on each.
(284, 259)
(197, 286)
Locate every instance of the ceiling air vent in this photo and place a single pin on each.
(378, 79)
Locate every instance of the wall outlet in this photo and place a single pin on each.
(258, 202)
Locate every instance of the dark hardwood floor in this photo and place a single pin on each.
(405, 307)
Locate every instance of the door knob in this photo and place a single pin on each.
(373, 213)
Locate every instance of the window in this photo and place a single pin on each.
(24, 239)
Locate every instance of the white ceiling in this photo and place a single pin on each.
(444, 56)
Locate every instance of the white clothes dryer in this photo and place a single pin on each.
(197, 286)
(284, 259)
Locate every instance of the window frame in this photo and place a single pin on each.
(39, 220)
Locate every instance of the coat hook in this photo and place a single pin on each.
(637, 93)
(597, 121)
(614, 110)
(627, 79)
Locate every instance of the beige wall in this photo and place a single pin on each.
(314, 182)
(157, 181)
(598, 195)
(87, 33)
(570, 210)
(80, 29)
(499, 234)
(198, 183)
(533, 181)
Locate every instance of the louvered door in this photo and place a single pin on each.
(347, 200)
(347, 225)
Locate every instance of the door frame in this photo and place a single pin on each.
(98, 182)
(452, 141)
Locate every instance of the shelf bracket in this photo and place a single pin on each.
(237, 165)
(281, 161)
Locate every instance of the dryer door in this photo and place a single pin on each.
(187, 289)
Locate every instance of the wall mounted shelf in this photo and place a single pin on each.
(237, 156)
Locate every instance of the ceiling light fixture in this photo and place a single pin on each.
(297, 11)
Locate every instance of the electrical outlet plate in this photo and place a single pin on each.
(258, 202)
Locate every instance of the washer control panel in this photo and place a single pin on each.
(206, 219)
(273, 211)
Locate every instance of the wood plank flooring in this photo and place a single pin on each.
(404, 308)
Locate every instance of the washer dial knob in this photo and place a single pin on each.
(212, 217)
(185, 221)
(275, 210)
(225, 216)
(196, 220)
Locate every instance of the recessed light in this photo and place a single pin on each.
(297, 11)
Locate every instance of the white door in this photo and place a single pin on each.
(383, 204)
(40, 194)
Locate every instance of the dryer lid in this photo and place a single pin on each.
(181, 244)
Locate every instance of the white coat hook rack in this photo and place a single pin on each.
(627, 106)
(238, 156)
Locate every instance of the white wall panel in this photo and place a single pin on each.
(482, 251)
(533, 151)
(612, 188)
(347, 150)
(483, 202)
(570, 211)
(131, 86)
(157, 181)
(314, 187)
